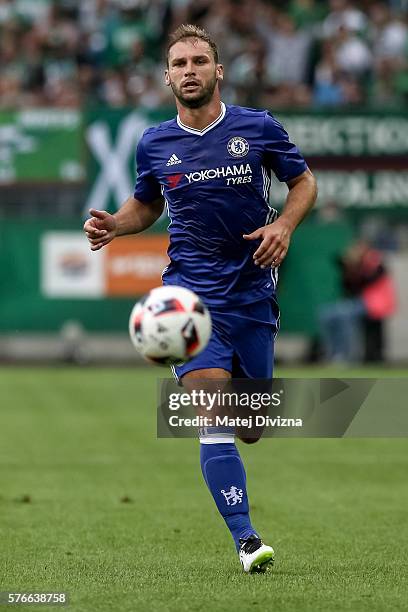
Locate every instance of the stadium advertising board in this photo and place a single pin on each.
(361, 160)
(41, 145)
(134, 265)
(50, 263)
(356, 135)
(356, 189)
(127, 267)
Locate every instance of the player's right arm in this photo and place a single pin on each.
(138, 212)
(133, 217)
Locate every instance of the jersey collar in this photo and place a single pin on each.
(206, 129)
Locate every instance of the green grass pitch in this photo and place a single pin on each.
(92, 503)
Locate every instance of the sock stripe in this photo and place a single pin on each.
(217, 439)
(216, 435)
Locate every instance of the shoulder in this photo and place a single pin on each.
(257, 115)
(157, 131)
(244, 111)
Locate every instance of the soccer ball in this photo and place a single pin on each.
(170, 325)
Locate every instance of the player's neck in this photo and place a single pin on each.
(200, 118)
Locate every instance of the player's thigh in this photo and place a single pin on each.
(254, 348)
(215, 361)
(253, 358)
(253, 337)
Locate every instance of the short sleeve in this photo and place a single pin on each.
(281, 156)
(147, 187)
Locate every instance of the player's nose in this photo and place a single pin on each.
(189, 70)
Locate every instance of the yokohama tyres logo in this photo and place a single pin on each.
(240, 173)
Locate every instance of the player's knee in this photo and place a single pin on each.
(206, 373)
(248, 440)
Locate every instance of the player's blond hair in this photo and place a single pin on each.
(187, 30)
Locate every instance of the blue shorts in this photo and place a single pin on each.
(242, 341)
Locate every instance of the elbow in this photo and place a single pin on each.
(312, 186)
(315, 190)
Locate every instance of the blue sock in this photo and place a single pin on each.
(224, 474)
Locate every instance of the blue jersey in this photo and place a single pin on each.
(216, 185)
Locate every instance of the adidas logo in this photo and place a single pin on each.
(173, 160)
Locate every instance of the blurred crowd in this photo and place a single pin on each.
(293, 53)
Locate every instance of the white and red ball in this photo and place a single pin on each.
(170, 325)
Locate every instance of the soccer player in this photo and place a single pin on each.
(211, 166)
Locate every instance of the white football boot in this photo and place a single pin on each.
(255, 556)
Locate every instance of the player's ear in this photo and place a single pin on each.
(220, 72)
(166, 77)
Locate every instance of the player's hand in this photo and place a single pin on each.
(100, 229)
(275, 243)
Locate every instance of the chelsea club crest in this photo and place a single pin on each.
(238, 146)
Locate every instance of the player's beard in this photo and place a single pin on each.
(203, 97)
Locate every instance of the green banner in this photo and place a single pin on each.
(24, 305)
(29, 257)
(359, 159)
(380, 191)
(41, 145)
(357, 135)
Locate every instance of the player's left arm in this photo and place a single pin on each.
(287, 163)
(276, 236)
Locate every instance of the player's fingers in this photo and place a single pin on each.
(99, 214)
(99, 245)
(276, 245)
(276, 260)
(93, 232)
(96, 239)
(280, 259)
(254, 235)
(277, 250)
(272, 252)
(263, 248)
(265, 259)
(93, 226)
(93, 236)
(89, 225)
